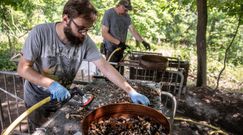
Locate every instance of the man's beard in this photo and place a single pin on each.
(74, 40)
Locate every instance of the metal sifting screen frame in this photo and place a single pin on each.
(172, 79)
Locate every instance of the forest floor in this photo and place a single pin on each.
(206, 107)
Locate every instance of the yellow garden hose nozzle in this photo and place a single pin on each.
(25, 114)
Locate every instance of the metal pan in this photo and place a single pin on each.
(124, 109)
(153, 62)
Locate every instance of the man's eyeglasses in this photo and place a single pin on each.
(81, 29)
(125, 8)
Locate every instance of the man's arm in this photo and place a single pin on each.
(107, 36)
(135, 34)
(138, 37)
(112, 74)
(26, 71)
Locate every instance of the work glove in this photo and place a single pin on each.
(122, 45)
(58, 92)
(146, 45)
(138, 98)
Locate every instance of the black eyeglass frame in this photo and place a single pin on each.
(81, 29)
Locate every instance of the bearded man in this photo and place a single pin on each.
(52, 55)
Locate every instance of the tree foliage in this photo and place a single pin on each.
(160, 22)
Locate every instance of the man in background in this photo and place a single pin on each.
(115, 25)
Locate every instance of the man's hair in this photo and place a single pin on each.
(125, 3)
(80, 8)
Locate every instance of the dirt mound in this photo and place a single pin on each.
(219, 108)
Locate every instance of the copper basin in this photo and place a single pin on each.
(126, 110)
(153, 62)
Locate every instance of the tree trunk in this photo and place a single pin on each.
(201, 43)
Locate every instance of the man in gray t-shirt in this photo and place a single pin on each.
(52, 55)
(115, 24)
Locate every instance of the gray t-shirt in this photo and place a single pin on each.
(118, 26)
(54, 59)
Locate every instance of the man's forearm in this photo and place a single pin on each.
(26, 71)
(36, 78)
(137, 37)
(113, 75)
(110, 38)
(135, 34)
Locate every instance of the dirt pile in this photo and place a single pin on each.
(219, 108)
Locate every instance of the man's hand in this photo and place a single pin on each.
(146, 45)
(58, 92)
(122, 45)
(138, 98)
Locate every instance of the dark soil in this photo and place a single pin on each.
(135, 125)
(218, 108)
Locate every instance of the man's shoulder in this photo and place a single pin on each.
(110, 11)
(88, 40)
(44, 26)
